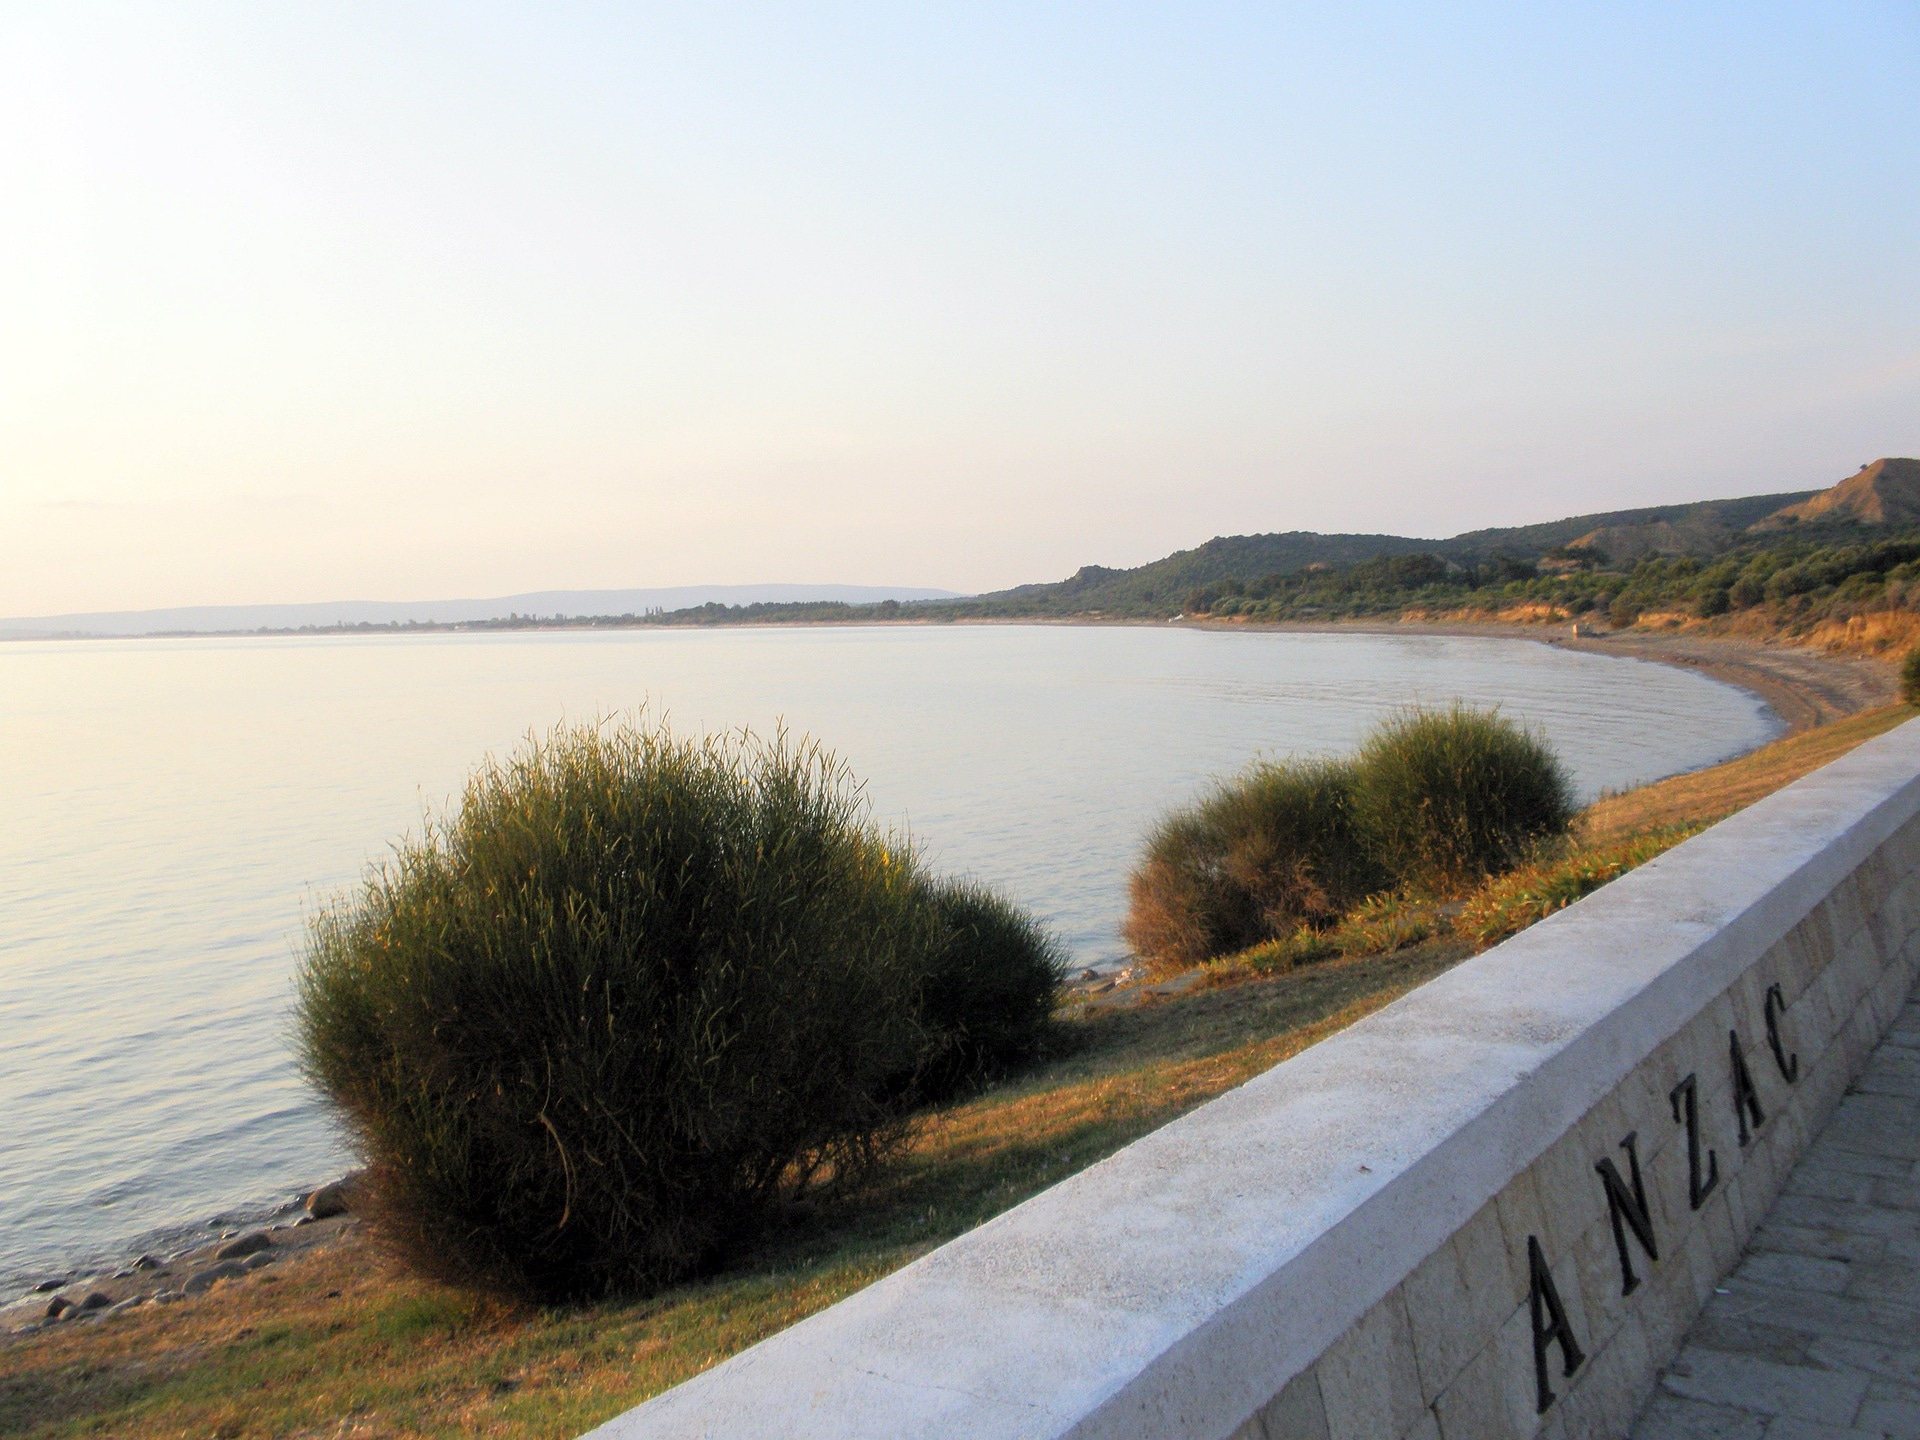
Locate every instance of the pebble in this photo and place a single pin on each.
(167, 1297)
(244, 1246)
(58, 1306)
(96, 1300)
(147, 1262)
(127, 1304)
(47, 1287)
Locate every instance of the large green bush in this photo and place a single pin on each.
(1449, 797)
(1271, 850)
(633, 992)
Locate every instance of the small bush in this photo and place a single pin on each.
(1516, 900)
(1449, 797)
(588, 1029)
(1262, 855)
(1272, 957)
(1910, 677)
(1382, 924)
(990, 994)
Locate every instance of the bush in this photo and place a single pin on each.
(993, 984)
(1263, 854)
(1711, 602)
(1304, 946)
(1383, 924)
(1910, 677)
(634, 991)
(1449, 797)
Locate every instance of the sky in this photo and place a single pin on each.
(309, 302)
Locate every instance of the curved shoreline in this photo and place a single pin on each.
(1803, 688)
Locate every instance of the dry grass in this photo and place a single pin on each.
(1883, 632)
(1713, 794)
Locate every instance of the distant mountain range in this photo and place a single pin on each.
(538, 604)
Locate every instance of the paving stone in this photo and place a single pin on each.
(1809, 1392)
(1674, 1417)
(1786, 1427)
(1798, 1272)
(1890, 1410)
(1744, 1337)
(1819, 1240)
(1892, 1280)
(1899, 1363)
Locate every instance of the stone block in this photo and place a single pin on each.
(1368, 1380)
(1494, 1397)
(1297, 1412)
(1460, 1296)
(1618, 1380)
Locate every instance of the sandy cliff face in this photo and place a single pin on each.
(1887, 492)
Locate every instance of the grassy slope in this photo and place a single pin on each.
(341, 1343)
(1718, 792)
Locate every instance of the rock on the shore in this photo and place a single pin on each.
(204, 1280)
(331, 1200)
(244, 1246)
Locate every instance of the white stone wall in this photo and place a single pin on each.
(1340, 1247)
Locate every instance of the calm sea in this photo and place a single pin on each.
(174, 809)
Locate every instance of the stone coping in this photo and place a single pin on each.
(1177, 1286)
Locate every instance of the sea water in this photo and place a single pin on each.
(172, 811)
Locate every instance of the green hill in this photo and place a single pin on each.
(1164, 586)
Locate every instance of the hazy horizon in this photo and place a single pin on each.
(430, 300)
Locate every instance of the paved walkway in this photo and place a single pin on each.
(1816, 1336)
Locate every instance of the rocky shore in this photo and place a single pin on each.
(316, 1219)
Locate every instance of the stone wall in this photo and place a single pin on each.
(1489, 1210)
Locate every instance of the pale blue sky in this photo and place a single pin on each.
(301, 302)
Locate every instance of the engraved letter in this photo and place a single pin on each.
(1746, 1099)
(1628, 1209)
(1789, 1064)
(1549, 1323)
(1697, 1188)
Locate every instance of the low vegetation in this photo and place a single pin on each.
(637, 993)
(1434, 803)
(1276, 848)
(1507, 905)
(1449, 797)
